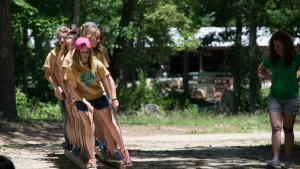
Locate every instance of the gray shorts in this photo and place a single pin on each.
(287, 106)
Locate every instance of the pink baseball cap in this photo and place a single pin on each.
(82, 43)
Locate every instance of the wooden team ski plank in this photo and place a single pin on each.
(75, 160)
(104, 157)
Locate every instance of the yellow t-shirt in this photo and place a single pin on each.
(52, 56)
(68, 59)
(66, 63)
(88, 81)
(105, 53)
(102, 56)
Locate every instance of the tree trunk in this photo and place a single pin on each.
(236, 75)
(185, 76)
(76, 12)
(7, 70)
(252, 44)
(25, 60)
(120, 40)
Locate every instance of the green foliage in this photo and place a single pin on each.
(155, 92)
(42, 110)
(34, 109)
(22, 103)
(283, 15)
(134, 97)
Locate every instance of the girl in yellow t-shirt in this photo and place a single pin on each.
(99, 52)
(88, 78)
(52, 75)
(73, 126)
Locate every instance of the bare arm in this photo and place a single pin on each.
(113, 95)
(263, 71)
(62, 72)
(106, 81)
(77, 93)
(49, 73)
(115, 102)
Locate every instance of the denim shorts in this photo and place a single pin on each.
(99, 104)
(286, 106)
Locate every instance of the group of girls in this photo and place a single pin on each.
(78, 69)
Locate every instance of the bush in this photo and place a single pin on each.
(22, 103)
(133, 98)
(35, 109)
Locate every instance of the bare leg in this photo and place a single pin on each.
(275, 119)
(288, 124)
(87, 119)
(110, 122)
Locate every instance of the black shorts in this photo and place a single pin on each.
(99, 104)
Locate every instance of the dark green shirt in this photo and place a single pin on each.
(284, 79)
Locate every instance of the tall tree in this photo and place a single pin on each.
(76, 12)
(7, 83)
(126, 17)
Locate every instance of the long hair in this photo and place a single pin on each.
(91, 31)
(78, 64)
(64, 49)
(288, 48)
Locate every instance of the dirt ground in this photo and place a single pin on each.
(38, 146)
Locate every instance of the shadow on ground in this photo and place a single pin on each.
(30, 131)
(236, 157)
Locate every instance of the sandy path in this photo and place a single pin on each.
(150, 147)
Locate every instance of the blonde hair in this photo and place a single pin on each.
(89, 32)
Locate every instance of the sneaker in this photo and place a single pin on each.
(74, 151)
(116, 156)
(274, 163)
(101, 146)
(288, 164)
(126, 157)
(92, 163)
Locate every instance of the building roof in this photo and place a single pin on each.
(217, 33)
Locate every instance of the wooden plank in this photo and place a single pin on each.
(75, 160)
(105, 158)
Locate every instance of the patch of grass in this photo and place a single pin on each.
(206, 121)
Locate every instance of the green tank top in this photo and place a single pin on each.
(284, 79)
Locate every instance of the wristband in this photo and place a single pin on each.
(113, 99)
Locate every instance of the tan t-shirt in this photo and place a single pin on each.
(88, 82)
(66, 63)
(102, 56)
(52, 56)
(68, 59)
(105, 53)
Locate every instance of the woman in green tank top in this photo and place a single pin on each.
(283, 100)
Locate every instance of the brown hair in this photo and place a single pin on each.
(59, 30)
(64, 50)
(288, 47)
(78, 64)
